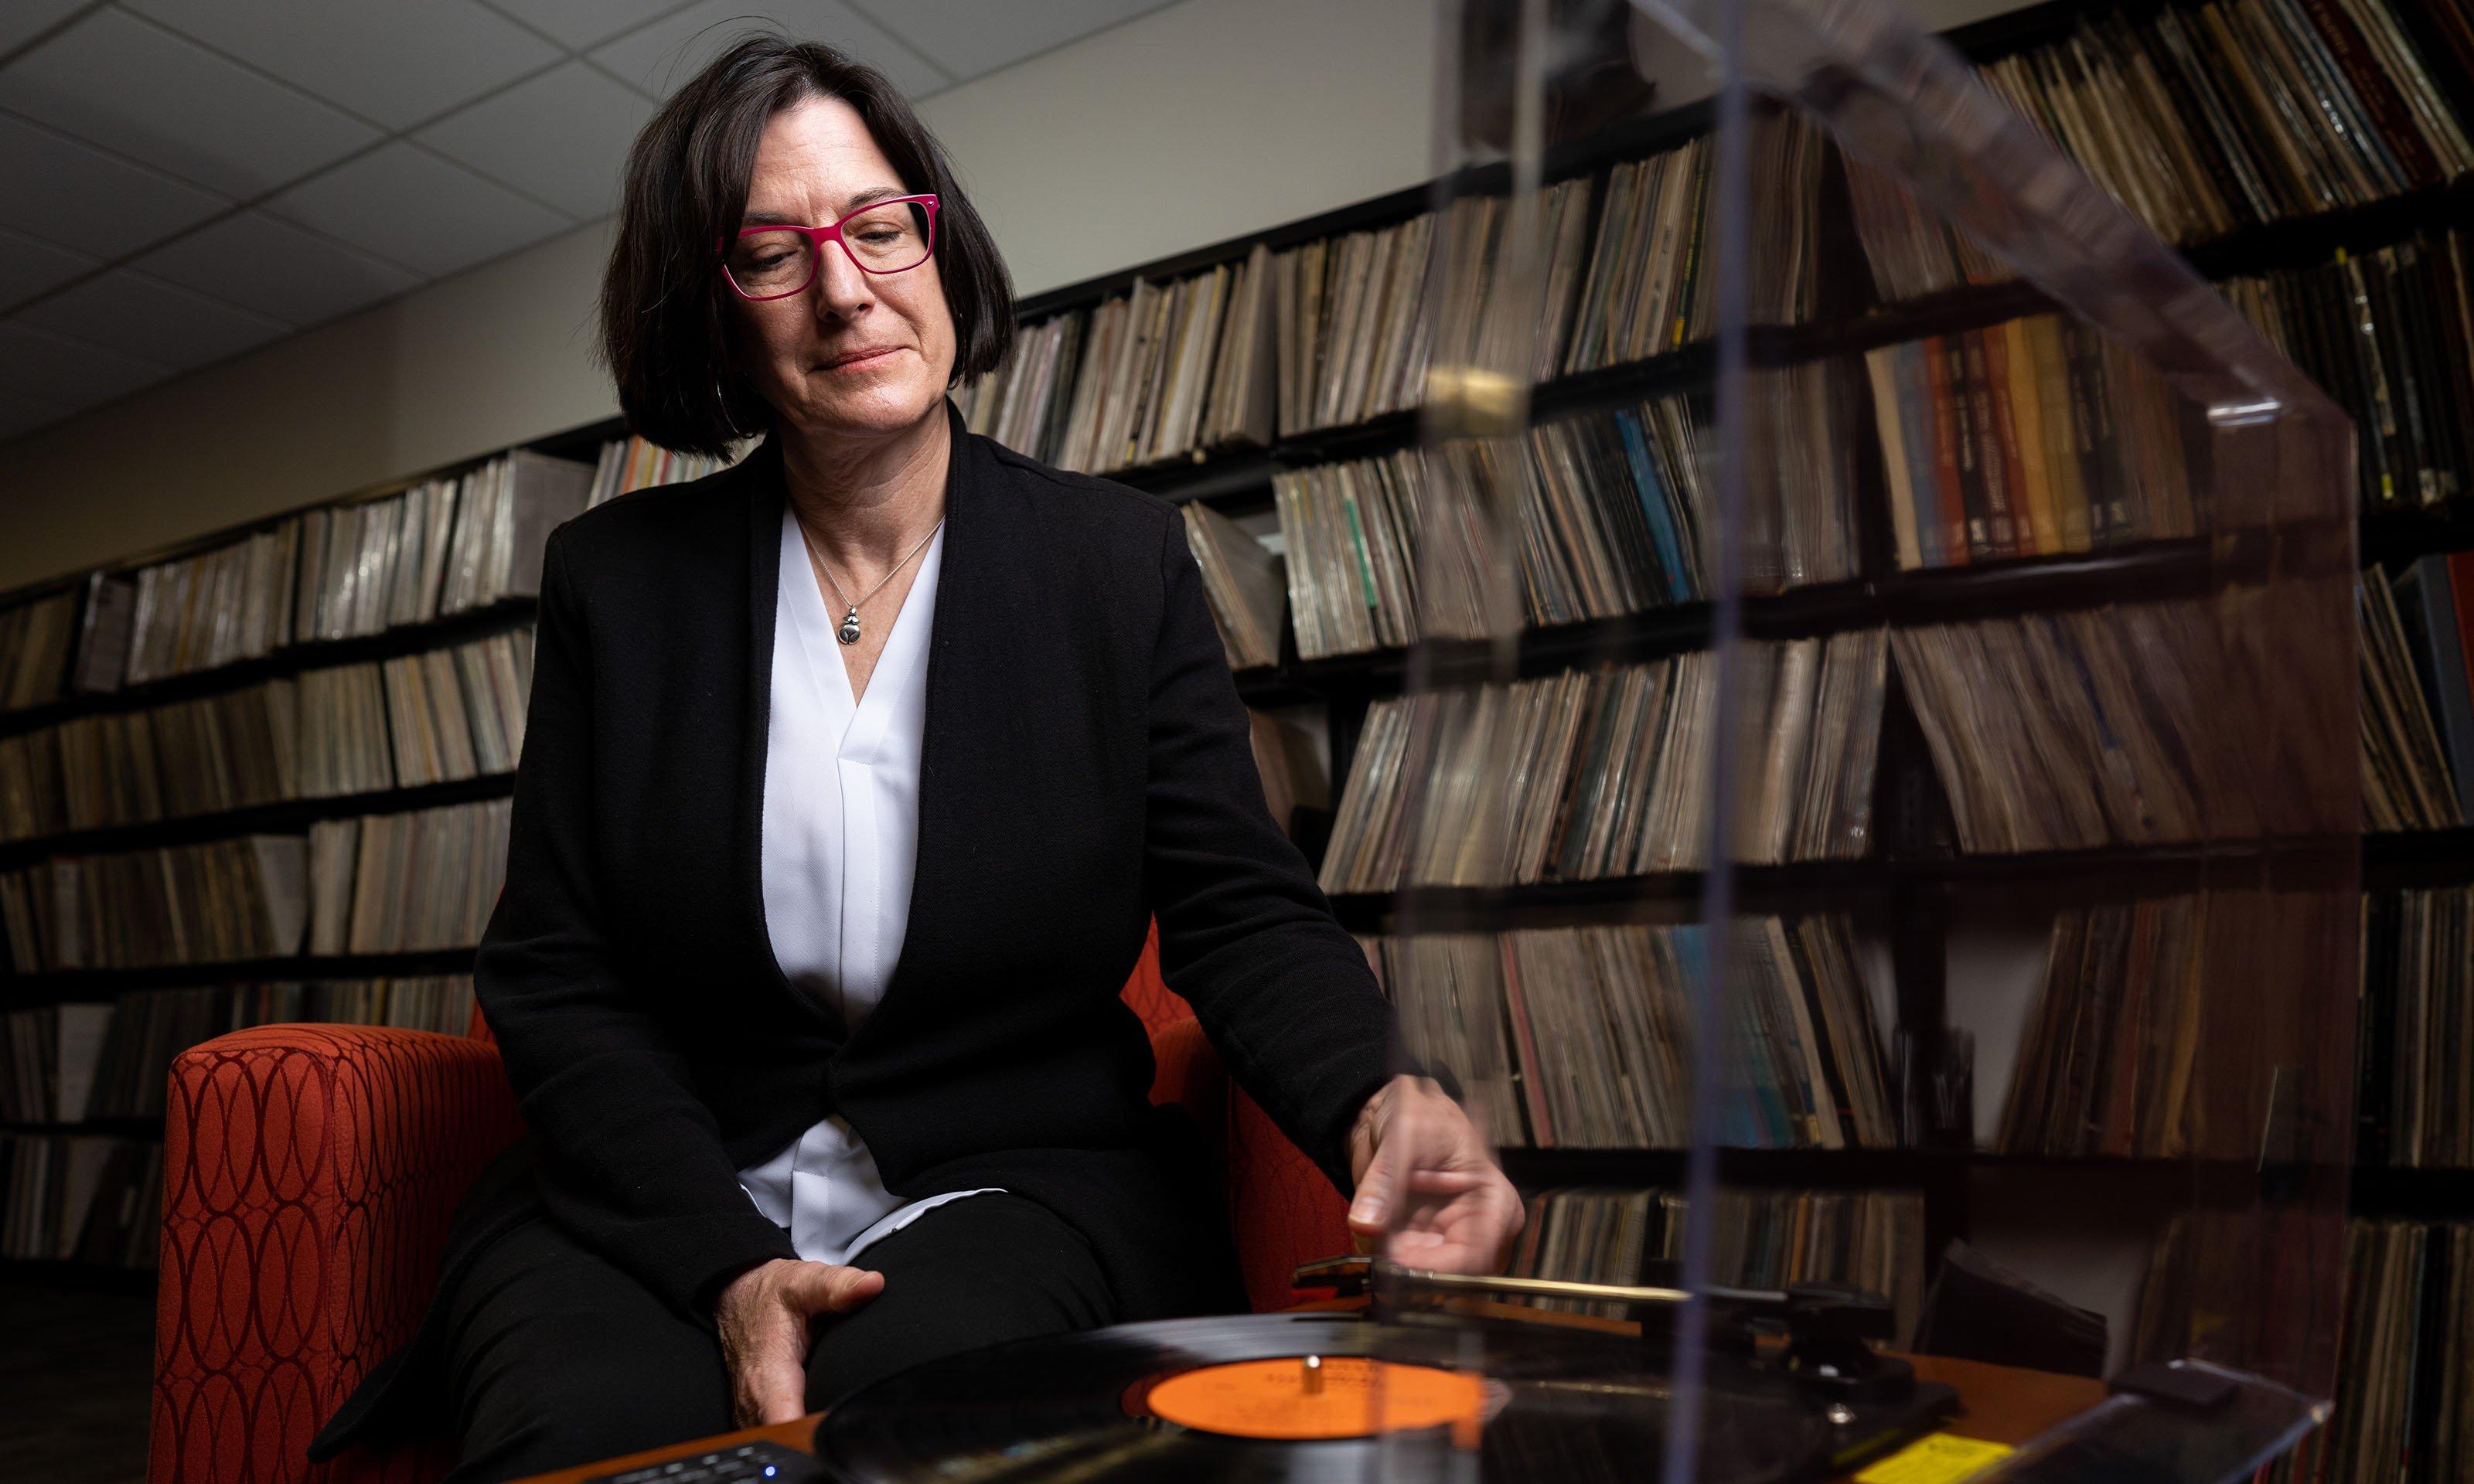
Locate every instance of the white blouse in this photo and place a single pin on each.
(841, 846)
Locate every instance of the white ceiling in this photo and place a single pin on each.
(181, 180)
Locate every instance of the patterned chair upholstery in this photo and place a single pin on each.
(310, 1171)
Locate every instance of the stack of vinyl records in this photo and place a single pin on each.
(2405, 1403)
(366, 567)
(2416, 1038)
(2119, 684)
(396, 883)
(82, 1198)
(1349, 541)
(1349, 322)
(35, 649)
(2418, 700)
(505, 512)
(204, 904)
(1913, 253)
(458, 714)
(1651, 285)
(2034, 437)
(1292, 766)
(1023, 403)
(47, 1073)
(450, 713)
(1169, 370)
(114, 1060)
(1241, 578)
(2110, 1056)
(630, 464)
(1872, 1240)
(1612, 770)
(1578, 1038)
(2203, 119)
(1613, 513)
(230, 603)
(2376, 332)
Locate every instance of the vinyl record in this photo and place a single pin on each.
(1295, 1397)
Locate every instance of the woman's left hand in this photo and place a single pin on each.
(1429, 1192)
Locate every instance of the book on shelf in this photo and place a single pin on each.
(34, 640)
(2386, 334)
(508, 508)
(2416, 1037)
(1870, 1240)
(1576, 1037)
(1609, 769)
(626, 465)
(1241, 578)
(83, 1198)
(2418, 717)
(425, 718)
(2036, 437)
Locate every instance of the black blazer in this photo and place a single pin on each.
(1085, 768)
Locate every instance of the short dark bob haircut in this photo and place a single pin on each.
(665, 312)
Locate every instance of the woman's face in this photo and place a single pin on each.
(855, 354)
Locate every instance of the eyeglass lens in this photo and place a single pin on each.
(880, 240)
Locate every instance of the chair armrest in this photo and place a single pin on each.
(309, 1173)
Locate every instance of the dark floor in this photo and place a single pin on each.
(76, 1368)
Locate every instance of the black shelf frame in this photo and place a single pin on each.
(18, 992)
(288, 816)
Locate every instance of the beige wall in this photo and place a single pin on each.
(1193, 124)
(1186, 126)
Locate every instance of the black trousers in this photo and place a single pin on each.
(555, 1357)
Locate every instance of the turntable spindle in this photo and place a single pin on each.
(1314, 1374)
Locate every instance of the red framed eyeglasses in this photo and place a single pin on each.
(888, 236)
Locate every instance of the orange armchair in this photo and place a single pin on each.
(310, 1170)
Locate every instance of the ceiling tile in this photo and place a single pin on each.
(21, 19)
(147, 319)
(583, 23)
(967, 37)
(54, 368)
(408, 204)
(20, 415)
(143, 92)
(253, 260)
(62, 191)
(668, 52)
(389, 61)
(563, 136)
(30, 265)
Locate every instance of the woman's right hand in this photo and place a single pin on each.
(763, 1317)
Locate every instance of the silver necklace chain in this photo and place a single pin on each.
(848, 631)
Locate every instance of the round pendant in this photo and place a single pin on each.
(848, 633)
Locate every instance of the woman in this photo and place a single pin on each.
(852, 777)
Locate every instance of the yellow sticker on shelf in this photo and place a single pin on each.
(1938, 1459)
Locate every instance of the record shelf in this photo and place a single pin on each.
(1911, 881)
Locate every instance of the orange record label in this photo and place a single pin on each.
(1337, 1396)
